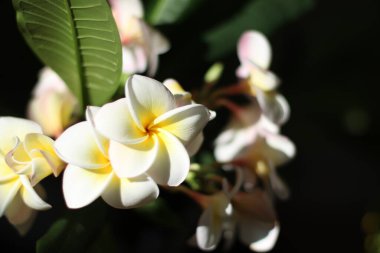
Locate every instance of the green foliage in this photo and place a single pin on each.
(79, 40)
(160, 12)
(76, 232)
(263, 15)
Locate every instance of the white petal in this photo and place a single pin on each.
(209, 229)
(184, 122)
(30, 196)
(123, 10)
(274, 106)
(232, 141)
(193, 146)
(128, 193)
(172, 163)
(253, 46)
(8, 191)
(81, 186)
(134, 59)
(280, 149)
(266, 243)
(147, 99)
(11, 127)
(115, 122)
(78, 146)
(173, 86)
(134, 159)
(101, 140)
(20, 215)
(278, 185)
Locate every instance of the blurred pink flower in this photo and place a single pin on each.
(142, 44)
(52, 106)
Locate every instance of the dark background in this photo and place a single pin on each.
(328, 60)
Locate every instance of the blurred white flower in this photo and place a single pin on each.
(151, 132)
(142, 44)
(53, 106)
(257, 223)
(251, 140)
(255, 55)
(26, 157)
(217, 218)
(90, 174)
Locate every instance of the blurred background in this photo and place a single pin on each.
(327, 56)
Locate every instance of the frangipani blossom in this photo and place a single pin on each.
(90, 173)
(255, 55)
(256, 219)
(141, 43)
(53, 106)
(150, 130)
(255, 144)
(26, 157)
(217, 216)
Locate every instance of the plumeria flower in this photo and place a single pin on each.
(90, 173)
(253, 141)
(255, 217)
(150, 130)
(142, 44)
(217, 216)
(26, 157)
(53, 106)
(255, 55)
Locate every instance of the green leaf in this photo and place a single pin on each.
(161, 12)
(79, 40)
(75, 232)
(263, 15)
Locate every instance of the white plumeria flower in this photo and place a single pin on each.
(217, 217)
(255, 55)
(26, 157)
(53, 106)
(255, 142)
(141, 43)
(90, 173)
(148, 128)
(256, 219)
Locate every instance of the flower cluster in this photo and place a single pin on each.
(128, 149)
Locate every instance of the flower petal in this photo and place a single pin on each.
(172, 163)
(11, 127)
(209, 229)
(193, 146)
(30, 197)
(266, 243)
(147, 99)
(101, 140)
(184, 122)
(114, 121)
(123, 10)
(134, 159)
(274, 106)
(253, 46)
(8, 191)
(279, 149)
(134, 59)
(20, 215)
(77, 146)
(81, 186)
(232, 141)
(256, 204)
(128, 193)
(41, 147)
